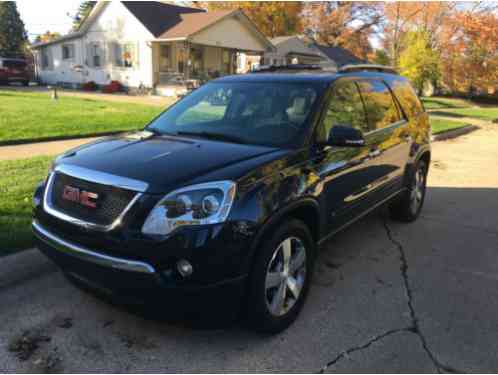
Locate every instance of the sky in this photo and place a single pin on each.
(42, 15)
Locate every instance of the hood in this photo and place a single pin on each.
(163, 162)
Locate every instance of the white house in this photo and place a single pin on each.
(149, 44)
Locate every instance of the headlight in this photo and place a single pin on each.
(202, 204)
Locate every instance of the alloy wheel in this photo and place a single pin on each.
(285, 276)
(417, 191)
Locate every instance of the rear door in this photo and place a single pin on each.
(389, 139)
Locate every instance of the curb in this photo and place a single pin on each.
(18, 142)
(450, 134)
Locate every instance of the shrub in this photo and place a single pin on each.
(89, 86)
(114, 86)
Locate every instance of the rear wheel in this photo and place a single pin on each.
(281, 277)
(410, 204)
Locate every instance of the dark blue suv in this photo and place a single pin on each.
(225, 197)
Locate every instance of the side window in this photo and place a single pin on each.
(406, 96)
(345, 108)
(379, 103)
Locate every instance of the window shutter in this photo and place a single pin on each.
(110, 54)
(137, 49)
(89, 59)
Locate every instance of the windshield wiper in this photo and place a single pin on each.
(215, 136)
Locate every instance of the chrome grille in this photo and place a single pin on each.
(111, 203)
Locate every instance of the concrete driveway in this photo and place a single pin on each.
(387, 297)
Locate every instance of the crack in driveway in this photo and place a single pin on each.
(346, 353)
(415, 327)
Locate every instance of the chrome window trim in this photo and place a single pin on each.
(48, 207)
(85, 254)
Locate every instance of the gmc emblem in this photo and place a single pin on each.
(82, 197)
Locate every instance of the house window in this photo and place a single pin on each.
(67, 51)
(125, 55)
(95, 55)
(165, 57)
(226, 62)
(46, 59)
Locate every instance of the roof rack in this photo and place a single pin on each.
(367, 67)
(276, 68)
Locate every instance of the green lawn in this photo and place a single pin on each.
(18, 179)
(35, 116)
(488, 113)
(441, 126)
(440, 102)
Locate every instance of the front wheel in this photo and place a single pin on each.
(409, 206)
(281, 277)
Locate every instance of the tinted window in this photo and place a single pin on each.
(14, 64)
(406, 96)
(379, 103)
(273, 114)
(345, 108)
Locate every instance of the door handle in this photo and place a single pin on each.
(374, 153)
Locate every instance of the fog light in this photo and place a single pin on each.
(184, 268)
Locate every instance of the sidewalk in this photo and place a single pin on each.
(40, 149)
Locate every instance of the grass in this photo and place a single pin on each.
(439, 103)
(30, 116)
(458, 108)
(18, 179)
(443, 125)
(488, 113)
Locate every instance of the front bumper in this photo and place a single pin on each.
(129, 279)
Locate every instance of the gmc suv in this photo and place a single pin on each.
(225, 196)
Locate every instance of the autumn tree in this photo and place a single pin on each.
(402, 17)
(13, 36)
(470, 58)
(419, 62)
(345, 24)
(47, 36)
(273, 18)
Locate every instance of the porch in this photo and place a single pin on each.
(182, 65)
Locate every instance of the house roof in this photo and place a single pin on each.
(339, 55)
(166, 21)
(194, 22)
(293, 45)
(159, 17)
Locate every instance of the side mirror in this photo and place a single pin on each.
(345, 136)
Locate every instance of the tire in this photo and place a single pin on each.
(408, 207)
(265, 313)
(25, 83)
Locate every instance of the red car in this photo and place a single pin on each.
(14, 70)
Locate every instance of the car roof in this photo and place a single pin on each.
(314, 76)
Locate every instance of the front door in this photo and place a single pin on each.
(347, 174)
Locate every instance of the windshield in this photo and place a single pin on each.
(269, 114)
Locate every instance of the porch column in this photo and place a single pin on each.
(188, 63)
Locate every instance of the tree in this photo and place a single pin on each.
(380, 57)
(83, 11)
(470, 57)
(404, 16)
(419, 62)
(273, 18)
(47, 37)
(345, 24)
(13, 36)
